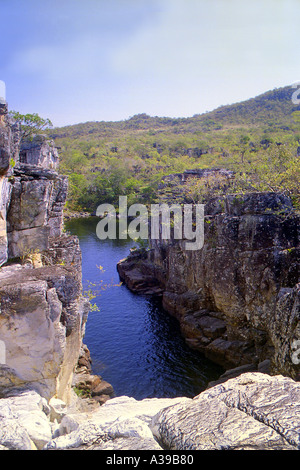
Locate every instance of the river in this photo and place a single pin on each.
(134, 344)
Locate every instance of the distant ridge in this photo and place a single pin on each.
(258, 139)
(275, 104)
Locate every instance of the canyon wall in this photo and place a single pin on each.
(43, 311)
(237, 298)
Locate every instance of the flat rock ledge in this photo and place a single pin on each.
(254, 411)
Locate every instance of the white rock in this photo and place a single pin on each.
(251, 412)
(71, 422)
(13, 436)
(58, 409)
(130, 427)
(128, 407)
(26, 410)
(91, 435)
(119, 418)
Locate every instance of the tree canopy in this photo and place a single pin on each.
(31, 124)
(258, 140)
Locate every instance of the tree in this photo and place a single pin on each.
(31, 124)
(244, 143)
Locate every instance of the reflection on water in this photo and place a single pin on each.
(135, 345)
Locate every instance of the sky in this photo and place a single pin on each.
(75, 61)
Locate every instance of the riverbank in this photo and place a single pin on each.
(68, 214)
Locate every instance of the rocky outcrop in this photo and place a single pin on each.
(237, 299)
(251, 412)
(36, 209)
(39, 151)
(24, 422)
(121, 423)
(87, 384)
(198, 173)
(9, 156)
(10, 134)
(42, 309)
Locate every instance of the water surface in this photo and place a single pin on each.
(135, 345)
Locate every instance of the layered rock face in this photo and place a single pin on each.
(39, 152)
(36, 209)
(9, 154)
(237, 298)
(43, 312)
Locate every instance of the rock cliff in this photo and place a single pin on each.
(43, 312)
(237, 299)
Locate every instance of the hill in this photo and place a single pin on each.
(257, 139)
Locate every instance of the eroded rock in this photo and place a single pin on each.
(23, 422)
(236, 298)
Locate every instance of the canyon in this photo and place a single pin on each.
(237, 301)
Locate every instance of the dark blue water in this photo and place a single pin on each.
(134, 344)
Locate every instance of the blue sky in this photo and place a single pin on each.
(92, 60)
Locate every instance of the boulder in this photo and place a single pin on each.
(23, 421)
(42, 322)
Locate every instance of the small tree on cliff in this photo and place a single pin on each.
(31, 124)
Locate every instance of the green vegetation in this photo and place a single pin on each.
(259, 140)
(31, 124)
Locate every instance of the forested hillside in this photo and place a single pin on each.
(259, 140)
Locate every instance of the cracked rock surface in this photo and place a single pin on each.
(251, 412)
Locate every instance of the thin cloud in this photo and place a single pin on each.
(99, 60)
